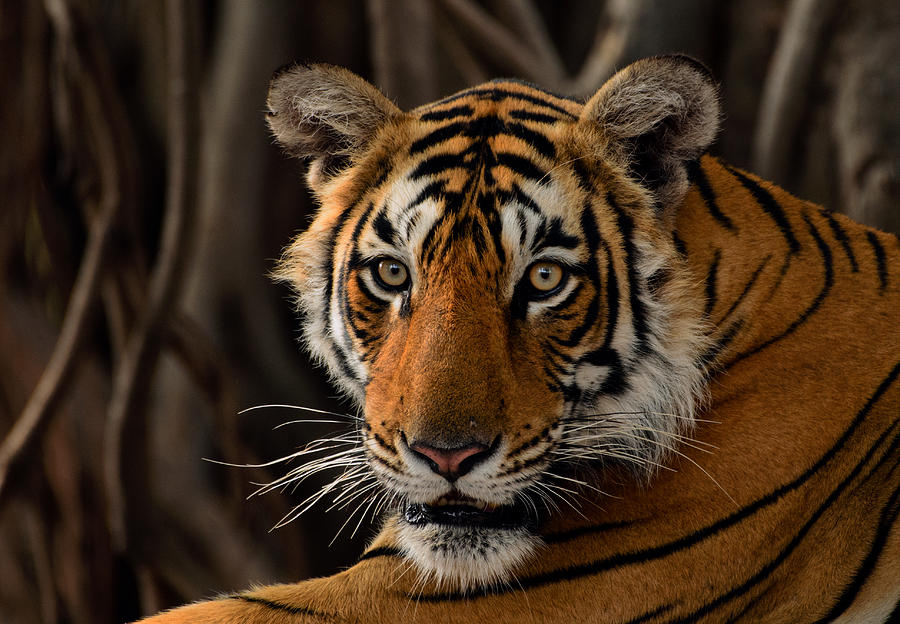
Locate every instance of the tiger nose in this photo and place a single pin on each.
(451, 463)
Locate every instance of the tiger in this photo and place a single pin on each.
(602, 375)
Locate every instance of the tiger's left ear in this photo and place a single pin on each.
(657, 115)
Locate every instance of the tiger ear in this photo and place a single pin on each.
(326, 114)
(657, 115)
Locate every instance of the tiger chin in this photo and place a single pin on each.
(603, 376)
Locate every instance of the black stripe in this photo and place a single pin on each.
(384, 444)
(452, 208)
(813, 307)
(593, 240)
(364, 288)
(502, 94)
(526, 115)
(746, 608)
(556, 352)
(438, 163)
(374, 457)
(432, 190)
(385, 229)
(446, 114)
(535, 87)
(770, 206)
(483, 128)
(711, 276)
(486, 127)
(525, 199)
(612, 293)
(785, 266)
(712, 353)
(583, 175)
(841, 236)
(519, 466)
(656, 280)
(646, 617)
(429, 243)
(495, 228)
(746, 290)
(616, 383)
(889, 516)
(437, 136)
(521, 166)
(347, 316)
(894, 617)
(293, 610)
(697, 176)
(770, 567)
(553, 235)
(523, 226)
(524, 446)
(551, 380)
(669, 548)
(880, 260)
(560, 537)
(569, 300)
(638, 309)
(538, 141)
(328, 268)
(383, 172)
(680, 247)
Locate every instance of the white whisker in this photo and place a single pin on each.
(298, 407)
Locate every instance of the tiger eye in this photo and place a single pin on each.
(545, 276)
(392, 273)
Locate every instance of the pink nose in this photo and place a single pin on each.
(454, 462)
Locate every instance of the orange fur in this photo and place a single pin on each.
(782, 506)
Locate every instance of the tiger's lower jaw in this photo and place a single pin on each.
(464, 547)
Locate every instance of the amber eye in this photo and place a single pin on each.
(545, 276)
(391, 273)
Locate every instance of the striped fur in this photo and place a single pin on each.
(701, 424)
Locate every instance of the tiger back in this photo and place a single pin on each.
(604, 377)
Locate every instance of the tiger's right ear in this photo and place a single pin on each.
(657, 115)
(325, 113)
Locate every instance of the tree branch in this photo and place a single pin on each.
(125, 437)
(21, 439)
(785, 96)
(524, 18)
(498, 44)
(403, 49)
(608, 47)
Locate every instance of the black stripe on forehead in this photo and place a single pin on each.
(384, 229)
(481, 129)
(446, 114)
(550, 233)
(498, 93)
(522, 166)
(527, 115)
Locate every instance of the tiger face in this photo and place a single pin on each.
(492, 279)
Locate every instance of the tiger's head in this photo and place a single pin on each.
(493, 279)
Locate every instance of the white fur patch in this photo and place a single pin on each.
(463, 558)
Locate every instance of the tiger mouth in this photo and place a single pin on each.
(458, 510)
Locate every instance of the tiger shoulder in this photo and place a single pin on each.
(602, 376)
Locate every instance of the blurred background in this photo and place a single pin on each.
(142, 203)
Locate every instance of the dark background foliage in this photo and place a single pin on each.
(143, 203)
